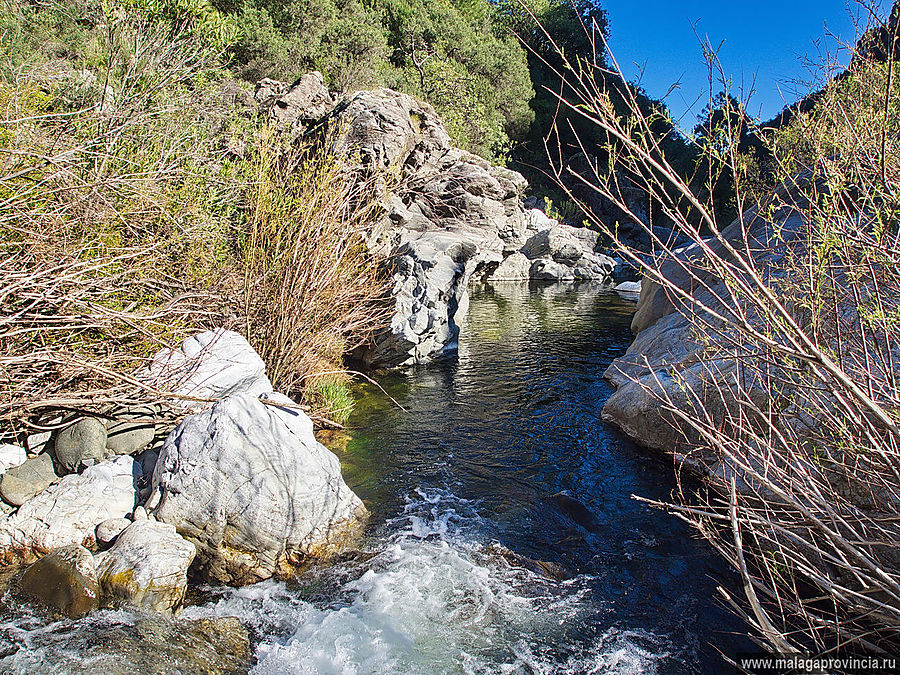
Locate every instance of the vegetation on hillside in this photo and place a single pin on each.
(793, 405)
(142, 199)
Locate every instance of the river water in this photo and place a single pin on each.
(504, 537)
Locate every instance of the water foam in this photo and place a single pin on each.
(433, 600)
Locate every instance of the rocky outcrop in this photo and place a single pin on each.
(247, 482)
(670, 361)
(450, 217)
(69, 511)
(207, 367)
(146, 567)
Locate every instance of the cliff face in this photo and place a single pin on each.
(449, 216)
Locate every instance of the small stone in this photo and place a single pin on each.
(10, 456)
(64, 580)
(81, 444)
(36, 443)
(21, 483)
(140, 513)
(109, 529)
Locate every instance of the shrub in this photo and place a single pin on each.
(790, 402)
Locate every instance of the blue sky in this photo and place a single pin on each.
(764, 40)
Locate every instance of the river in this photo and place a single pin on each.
(504, 537)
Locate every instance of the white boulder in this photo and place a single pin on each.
(146, 567)
(248, 483)
(208, 366)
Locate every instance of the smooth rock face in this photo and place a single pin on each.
(69, 511)
(21, 483)
(667, 360)
(10, 456)
(81, 444)
(131, 431)
(248, 483)
(208, 366)
(65, 580)
(146, 567)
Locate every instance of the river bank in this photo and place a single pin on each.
(462, 491)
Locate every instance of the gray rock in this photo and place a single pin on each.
(538, 221)
(305, 101)
(69, 511)
(557, 243)
(206, 367)
(147, 459)
(131, 431)
(64, 580)
(21, 483)
(81, 444)
(549, 270)
(248, 484)
(10, 456)
(146, 567)
(108, 530)
(516, 267)
(629, 288)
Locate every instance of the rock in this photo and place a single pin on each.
(108, 530)
(516, 267)
(305, 101)
(557, 243)
(81, 444)
(69, 511)
(248, 483)
(65, 580)
(147, 460)
(131, 431)
(430, 300)
(10, 456)
(548, 270)
(140, 513)
(21, 483)
(208, 366)
(538, 221)
(37, 443)
(668, 361)
(146, 567)
(629, 288)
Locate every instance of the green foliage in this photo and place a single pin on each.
(449, 53)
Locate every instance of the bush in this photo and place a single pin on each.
(143, 201)
(789, 403)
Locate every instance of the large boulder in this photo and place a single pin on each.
(146, 567)
(206, 367)
(69, 511)
(248, 483)
(64, 580)
(670, 361)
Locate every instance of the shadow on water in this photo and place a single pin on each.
(513, 425)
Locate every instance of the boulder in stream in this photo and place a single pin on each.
(64, 580)
(248, 483)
